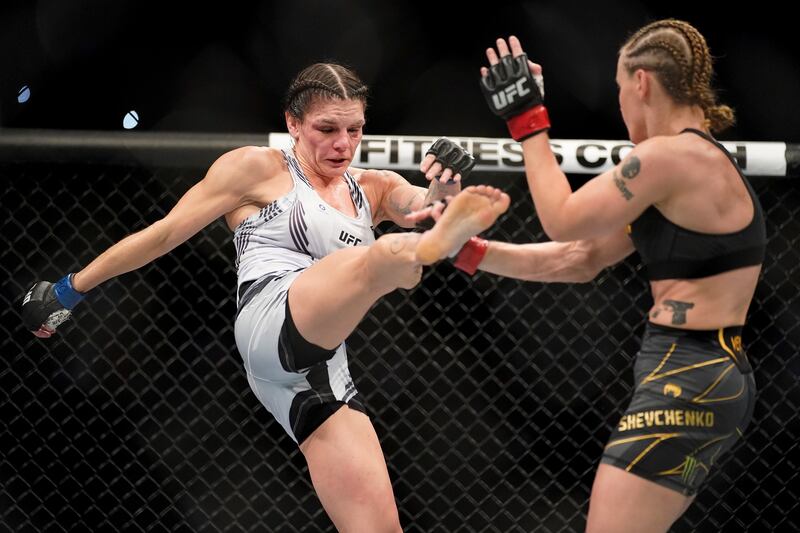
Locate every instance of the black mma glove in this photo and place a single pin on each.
(516, 95)
(47, 305)
(450, 155)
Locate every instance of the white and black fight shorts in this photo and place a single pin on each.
(300, 383)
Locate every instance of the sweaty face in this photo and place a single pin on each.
(630, 104)
(328, 135)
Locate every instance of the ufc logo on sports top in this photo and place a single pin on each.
(348, 239)
(505, 98)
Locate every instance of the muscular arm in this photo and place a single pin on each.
(575, 261)
(607, 202)
(220, 191)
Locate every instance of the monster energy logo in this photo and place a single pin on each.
(689, 466)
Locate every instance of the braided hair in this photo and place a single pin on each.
(327, 81)
(679, 57)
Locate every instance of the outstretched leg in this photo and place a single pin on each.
(330, 298)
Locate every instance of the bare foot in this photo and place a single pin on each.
(469, 212)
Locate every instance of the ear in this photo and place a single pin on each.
(643, 82)
(292, 125)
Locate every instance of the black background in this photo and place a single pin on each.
(223, 67)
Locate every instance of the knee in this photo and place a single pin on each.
(393, 263)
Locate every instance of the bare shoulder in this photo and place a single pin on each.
(689, 157)
(373, 180)
(688, 148)
(374, 175)
(666, 158)
(379, 186)
(656, 152)
(247, 163)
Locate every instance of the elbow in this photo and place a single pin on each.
(585, 264)
(161, 240)
(586, 274)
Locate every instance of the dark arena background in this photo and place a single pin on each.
(493, 398)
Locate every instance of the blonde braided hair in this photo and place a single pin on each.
(679, 57)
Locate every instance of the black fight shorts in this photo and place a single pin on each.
(694, 397)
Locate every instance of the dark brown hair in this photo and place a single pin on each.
(679, 57)
(326, 81)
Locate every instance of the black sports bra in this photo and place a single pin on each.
(670, 251)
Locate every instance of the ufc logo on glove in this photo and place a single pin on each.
(515, 94)
(507, 96)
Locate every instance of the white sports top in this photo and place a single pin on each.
(299, 228)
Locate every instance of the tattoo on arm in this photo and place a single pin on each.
(403, 204)
(679, 310)
(626, 193)
(404, 200)
(630, 169)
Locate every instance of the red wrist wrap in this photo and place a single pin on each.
(529, 123)
(471, 255)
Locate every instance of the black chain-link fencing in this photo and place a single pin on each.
(493, 398)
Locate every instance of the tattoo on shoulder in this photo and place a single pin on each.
(620, 183)
(678, 309)
(631, 167)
